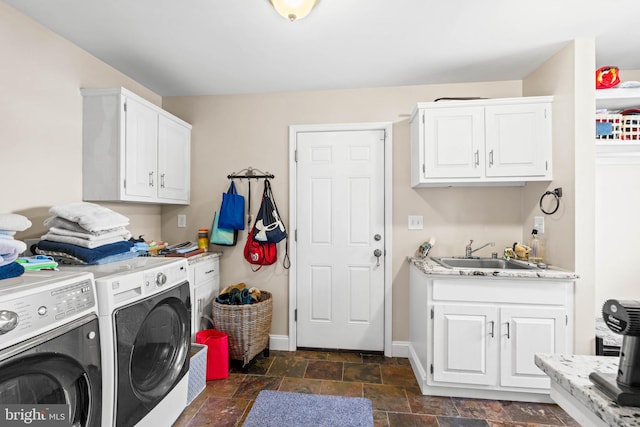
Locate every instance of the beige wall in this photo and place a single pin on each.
(41, 122)
(233, 132)
(569, 232)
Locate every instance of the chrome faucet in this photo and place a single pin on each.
(468, 251)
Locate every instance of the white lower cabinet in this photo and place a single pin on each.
(204, 280)
(477, 337)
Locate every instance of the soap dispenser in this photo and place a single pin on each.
(537, 248)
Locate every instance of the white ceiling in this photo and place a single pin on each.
(205, 47)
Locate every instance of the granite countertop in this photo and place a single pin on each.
(571, 372)
(431, 267)
(202, 257)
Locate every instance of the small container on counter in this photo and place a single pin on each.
(203, 238)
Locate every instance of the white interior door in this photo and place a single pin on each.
(340, 224)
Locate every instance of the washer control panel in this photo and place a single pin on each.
(27, 314)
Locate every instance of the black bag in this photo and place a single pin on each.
(268, 226)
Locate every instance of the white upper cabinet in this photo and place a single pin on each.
(481, 142)
(133, 151)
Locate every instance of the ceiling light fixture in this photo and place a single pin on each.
(293, 9)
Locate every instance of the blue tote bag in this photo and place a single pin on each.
(232, 209)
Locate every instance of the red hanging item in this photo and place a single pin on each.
(607, 77)
(259, 253)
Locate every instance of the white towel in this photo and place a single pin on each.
(10, 250)
(90, 216)
(103, 235)
(58, 222)
(14, 222)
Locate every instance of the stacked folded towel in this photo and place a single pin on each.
(86, 233)
(10, 248)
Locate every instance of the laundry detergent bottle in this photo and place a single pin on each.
(537, 248)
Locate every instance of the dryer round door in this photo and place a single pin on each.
(159, 350)
(153, 338)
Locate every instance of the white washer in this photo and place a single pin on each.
(144, 308)
(50, 346)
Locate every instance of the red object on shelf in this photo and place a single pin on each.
(217, 353)
(607, 77)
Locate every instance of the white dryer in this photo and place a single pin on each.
(144, 307)
(50, 363)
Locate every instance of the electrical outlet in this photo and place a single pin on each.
(538, 224)
(182, 220)
(415, 222)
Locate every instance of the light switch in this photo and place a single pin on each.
(182, 220)
(538, 224)
(415, 222)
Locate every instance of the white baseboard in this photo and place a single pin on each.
(281, 343)
(400, 349)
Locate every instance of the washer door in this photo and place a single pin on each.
(153, 339)
(57, 367)
(45, 380)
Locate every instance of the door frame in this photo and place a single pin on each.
(387, 127)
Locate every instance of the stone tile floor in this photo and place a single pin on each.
(388, 382)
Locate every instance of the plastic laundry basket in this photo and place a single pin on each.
(217, 353)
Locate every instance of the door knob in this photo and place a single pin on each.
(377, 237)
(377, 253)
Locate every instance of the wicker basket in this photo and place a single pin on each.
(246, 325)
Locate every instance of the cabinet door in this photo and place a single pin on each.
(140, 148)
(525, 332)
(453, 142)
(465, 348)
(174, 159)
(518, 140)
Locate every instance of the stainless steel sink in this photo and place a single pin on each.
(487, 263)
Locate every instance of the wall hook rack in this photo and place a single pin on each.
(248, 173)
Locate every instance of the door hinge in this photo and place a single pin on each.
(432, 312)
(125, 184)
(295, 235)
(424, 168)
(295, 315)
(566, 320)
(431, 369)
(546, 165)
(423, 118)
(125, 107)
(295, 156)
